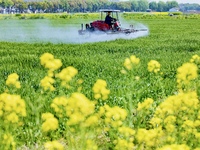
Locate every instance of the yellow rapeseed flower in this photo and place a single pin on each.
(12, 107)
(78, 108)
(154, 66)
(100, 90)
(145, 105)
(48, 61)
(13, 80)
(114, 116)
(53, 64)
(127, 64)
(195, 59)
(130, 62)
(156, 121)
(91, 121)
(46, 57)
(186, 73)
(149, 138)
(174, 147)
(8, 141)
(67, 74)
(59, 104)
(127, 131)
(47, 82)
(170, 119)
(91, 145)
(122, 144)
(134, 60)
(53, 145)
(50, 122)
(12, 117)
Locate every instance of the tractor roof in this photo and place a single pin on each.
(109, 10)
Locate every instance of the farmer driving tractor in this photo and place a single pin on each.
(109, 20)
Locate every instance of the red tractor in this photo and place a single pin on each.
(112, 27)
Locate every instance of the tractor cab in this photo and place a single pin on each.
(114, 13)
(102, 25)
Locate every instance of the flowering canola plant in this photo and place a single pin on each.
(172, 121)
(71, 120)
(12, 112)
(154, 66)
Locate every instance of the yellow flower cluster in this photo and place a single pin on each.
(149, 138)
(47, 83)
(91, 145)
(114, 116)
(186, 73)
(130, 62)
(67, 74)
(179, 117)
(125, 139)
(195, 59)
(100, 90)
(50, 122)
(13, 80)
(53, 145)
(78, 108)
(145, 105)
(174, 147)
(8, 142)
(126, 131)
(59, 105)
(176, 104)
(123, 144)
(49, 62)
(175, 120)
(92, 120)
(154, 66)
(12, 107)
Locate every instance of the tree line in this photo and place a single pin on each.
(89, 5)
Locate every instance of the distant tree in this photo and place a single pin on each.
(18, 4)
(127, 5)
(198, 8)
(44, 6)
(134, 5)
(6, 3)
(89, 5)
(153, 6)
(143, 5)
(50, 6)
(95, 5)
(32, 6)
(103, 4)
(64, 4)
(22, 6)
(162, 6)
(124, 6)
(193, 6)
(171, 4)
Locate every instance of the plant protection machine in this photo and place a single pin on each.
(102, 26)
